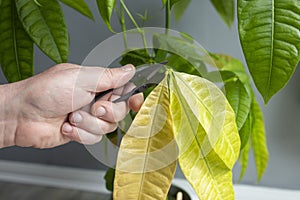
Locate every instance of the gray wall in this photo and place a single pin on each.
(201, 21)
(84, 34)
(282, 114)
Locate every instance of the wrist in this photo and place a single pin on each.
(9, 109)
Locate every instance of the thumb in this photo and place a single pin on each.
(98, 79)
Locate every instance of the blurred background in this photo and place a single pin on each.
(201, 21)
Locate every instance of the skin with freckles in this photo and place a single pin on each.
(57, 106)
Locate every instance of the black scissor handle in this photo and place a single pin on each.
(136, 90)
(126, 96)
(101, 94)
(146, 73)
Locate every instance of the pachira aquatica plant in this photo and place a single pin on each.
(203, 127)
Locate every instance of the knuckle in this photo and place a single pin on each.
(117, 117)
(65, 66)
(109, 77)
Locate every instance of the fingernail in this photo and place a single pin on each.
(67, 128)
(100, 111)
(127, 68)
(76, 118)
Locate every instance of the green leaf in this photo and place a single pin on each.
(16, 51)
(147, 156)
(232, 70)
(144, 17)
(80, 6)
(181, 65)
(185, 49)
(243, 160)
(179, 7)
(106, 8)
(37, 3)
(239, 99)
(220, 76)
(225, 8)
(160, 55)
(206, 134)
(113, 137)
(173, 2)
(246, 131)
(270, 38)
(136, 57)
(46, 26)
(109, 179)
(258, 139)
(229, 66)
(254, 129)
(228, 63)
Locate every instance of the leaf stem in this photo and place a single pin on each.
(123, 26)
(141, 31)
(168, 14)
(129, 15)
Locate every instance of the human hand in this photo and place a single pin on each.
(54, 107)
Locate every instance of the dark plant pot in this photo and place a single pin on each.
(171, 194)
(174, 191)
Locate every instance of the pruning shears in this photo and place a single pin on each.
(144, 78)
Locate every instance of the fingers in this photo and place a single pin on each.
(115, 112)
(135, 102)
(98, 79)
(88, 125)
(92, 124)
(79, 135)
(85, 128)
(112, 112)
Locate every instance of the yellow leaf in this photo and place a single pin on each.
(206, 134)
(148, 154)
(259, 141)
(185, 112)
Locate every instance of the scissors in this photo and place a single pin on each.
(145, 77)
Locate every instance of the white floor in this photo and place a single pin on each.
(90, 180)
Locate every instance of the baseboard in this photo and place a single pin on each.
(65, 177)
(92, 180)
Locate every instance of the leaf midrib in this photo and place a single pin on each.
(271, 50)
(189, 88)
(54, 44)
(147, 150)
(195, 136)
(52, 37)
(225, 107)
(13, 14)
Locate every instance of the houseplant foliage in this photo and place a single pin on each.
(274, 26)
(207, 139)
(270, 39)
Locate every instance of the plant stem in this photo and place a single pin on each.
(141, 31)
(168, 14)
(129, 15)
(123, 26)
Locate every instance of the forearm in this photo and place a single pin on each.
(9, 107)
